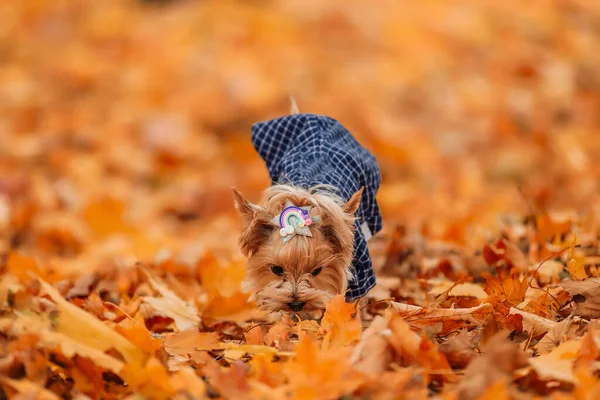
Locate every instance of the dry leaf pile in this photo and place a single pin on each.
(124, 123)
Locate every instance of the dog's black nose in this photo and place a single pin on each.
(296, 305)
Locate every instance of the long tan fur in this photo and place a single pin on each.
(330, 248)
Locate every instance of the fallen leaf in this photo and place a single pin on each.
(371, 355)
(135, 331)
(265, 370)
(497, 391)
(459, 349)
(151, 380)
(414, 349)
(564, 330)
(28, 388)
(68, 346)
(184, 314)
(532, 323)
(186, 381)
(585, 296)
(24, 268)
(105, 216)
(255, 335)
(82, 286)
(558, 364)
(315, 374)
(83, 327)
(511, 289)
(450, 318)
(231, 382)
(188, 341)
(575, 262)
(496, 364)
(341, 323)
(506, 251)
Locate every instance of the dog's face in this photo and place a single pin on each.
(302, 275)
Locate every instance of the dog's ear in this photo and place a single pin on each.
(338, 234)
(257, 226)
(352, 205)
(335, 224)
(246, 209)
(257, 232)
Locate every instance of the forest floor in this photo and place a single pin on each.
(123, 125)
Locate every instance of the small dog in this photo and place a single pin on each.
(306, 238)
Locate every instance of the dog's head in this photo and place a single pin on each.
(302, 275)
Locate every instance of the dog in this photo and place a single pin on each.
(306, 237)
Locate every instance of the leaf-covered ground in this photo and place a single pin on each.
(123, 125)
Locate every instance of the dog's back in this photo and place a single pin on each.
(309, 150)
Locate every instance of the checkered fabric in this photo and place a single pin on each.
(308, 150)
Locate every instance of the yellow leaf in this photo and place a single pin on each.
(265, 370)
(184, 314)
(85, 328)
(496, 392)
(69, 347)
(187, 341)
(558, 364)
(105, 216)
(575, 264)
(151, 380)
(136, 332)
(29, 388)
(24, 268)
(185, 380)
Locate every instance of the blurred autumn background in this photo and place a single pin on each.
(123, 125)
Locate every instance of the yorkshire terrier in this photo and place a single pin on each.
(306, 238)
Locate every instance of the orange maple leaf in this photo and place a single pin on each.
(511, 289)
(105, 216)
(315, 374)
(255, 335)
(135, 331)
(265, 370)
(151, 380)
(341, 323)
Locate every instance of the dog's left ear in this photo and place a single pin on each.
(352, 205)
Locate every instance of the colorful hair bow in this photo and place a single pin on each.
(294, 220)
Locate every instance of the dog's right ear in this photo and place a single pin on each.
(246, 209)
(257, 226)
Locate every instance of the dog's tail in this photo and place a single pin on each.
(293, 106)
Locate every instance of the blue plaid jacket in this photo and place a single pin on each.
(307, 150)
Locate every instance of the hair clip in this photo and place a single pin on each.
(294, 220)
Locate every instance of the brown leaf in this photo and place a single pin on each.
(564, 330)
(450, 318)
(585, 296)
(170, 305)
(558, 364)
(498, 361)
(82, 286)
(371, 355)
(188, 341)
(25, 387)
(532, 323)
(459, 349)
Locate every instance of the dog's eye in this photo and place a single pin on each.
(277, 270)
(317, 271)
